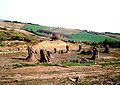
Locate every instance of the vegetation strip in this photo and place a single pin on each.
(90, 37)
(67, 64)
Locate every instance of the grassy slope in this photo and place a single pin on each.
(90, 37)
(34, 28)
(13, 35)
(82, 36)
(74, 34)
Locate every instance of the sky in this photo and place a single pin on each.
(91, 15)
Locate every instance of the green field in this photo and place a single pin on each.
(89, 37)
(35, 28)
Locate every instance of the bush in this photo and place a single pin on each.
(1, 45)
(15, 38)
(111, 43)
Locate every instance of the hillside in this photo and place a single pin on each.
(10, 25)
(61, 33)
(12, 33)
(68, 34)
(48, 31)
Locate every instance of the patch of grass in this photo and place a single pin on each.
(109, 63)
(77, 64)
(36, 64)
(23, 65)
(34, 29)
(59, 64)
(68, 63)
(89, 37)
(47, 64)
(1, 45)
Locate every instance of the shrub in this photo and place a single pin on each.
(15, 38)
(1, 45)
(111, 43)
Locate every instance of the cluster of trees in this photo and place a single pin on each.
(113, 44)
(111, 33)
(45, 31)
(54, 35)
(16, 38)
(92, 32)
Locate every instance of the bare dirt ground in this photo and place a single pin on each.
(52, 75)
